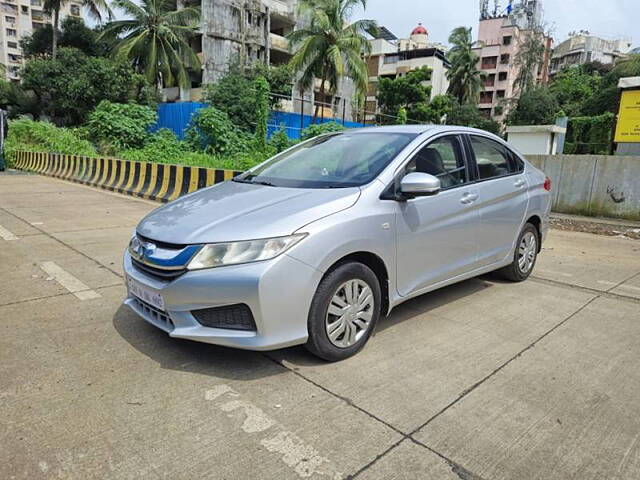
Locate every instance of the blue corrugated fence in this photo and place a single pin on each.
(177, 116)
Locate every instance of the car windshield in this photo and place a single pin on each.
(331, 161)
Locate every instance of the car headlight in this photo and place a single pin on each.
(233, 253)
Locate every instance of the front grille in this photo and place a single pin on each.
(158, 273)
(232, 317)
(154, 314)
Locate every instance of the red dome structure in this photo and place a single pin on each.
(419, 30)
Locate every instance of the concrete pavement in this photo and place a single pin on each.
(481, 380)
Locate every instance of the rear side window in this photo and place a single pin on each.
(492, 158)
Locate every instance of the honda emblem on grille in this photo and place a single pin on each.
(142, 249)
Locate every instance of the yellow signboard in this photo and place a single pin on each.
(628, 130)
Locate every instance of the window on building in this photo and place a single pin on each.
(504, 58)
(506, 40)
(490, 80)
(12, 44)
(502, 76)
(391, 59)
(486, 97)
(500, 93)
(485, 112)
(36, 3)
(14, 58)
(75, 9)
(489, 62)
(9, 19)
(11, 32)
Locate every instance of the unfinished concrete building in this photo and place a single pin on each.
(248, 31)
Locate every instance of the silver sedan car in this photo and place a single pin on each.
(315, 244)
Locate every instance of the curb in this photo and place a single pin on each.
(154, 181)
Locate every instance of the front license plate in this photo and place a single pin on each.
(145, 294)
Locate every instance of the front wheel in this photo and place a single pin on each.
(344, 312)
(525, 256)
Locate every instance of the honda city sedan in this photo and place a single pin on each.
(314, 245)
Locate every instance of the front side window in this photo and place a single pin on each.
(493, 159)
(441, 158)
(331, 161)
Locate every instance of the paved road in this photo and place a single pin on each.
(482, 380)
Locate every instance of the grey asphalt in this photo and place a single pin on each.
(480, 380)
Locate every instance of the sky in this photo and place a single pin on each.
(608, 18)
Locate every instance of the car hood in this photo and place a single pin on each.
(240, 211)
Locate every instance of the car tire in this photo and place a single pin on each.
(525, 255)
(344, 312)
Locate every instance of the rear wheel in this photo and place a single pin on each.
(525, 256)
(344, 312)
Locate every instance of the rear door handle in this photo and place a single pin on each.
(468, 198)
(519, 183)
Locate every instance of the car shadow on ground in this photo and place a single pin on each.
(185, 355)
(230, 363)
(409, 310)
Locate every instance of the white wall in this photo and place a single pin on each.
(534, 143)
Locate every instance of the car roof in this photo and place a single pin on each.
(417, 129)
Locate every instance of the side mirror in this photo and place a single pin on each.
(419, 184)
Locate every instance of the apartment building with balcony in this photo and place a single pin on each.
(19, 18)
(583, 47)
(392, 57)
(499, 42)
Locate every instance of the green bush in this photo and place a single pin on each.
(211, 131)
(280, 141)
(319, 128)
(589, 135)
(164, 147)
(25, 134)
(119, 126)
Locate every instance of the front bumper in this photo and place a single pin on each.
(278, 292)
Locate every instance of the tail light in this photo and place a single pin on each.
(547, 184)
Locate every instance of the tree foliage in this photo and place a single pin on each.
(72, 85)
(465, 80)
(96, 8)
(468, 115)
(155, 40)
(528, 60)
(234, 93)
(537, 106)
(73, 33)
(118, 126)
(320, 128)
(262, 112)
(329, 48)
(407, 92)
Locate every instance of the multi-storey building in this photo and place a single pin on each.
(249, 31)
(19, 19)
(392, 57)
(500, 39)
(582, 47)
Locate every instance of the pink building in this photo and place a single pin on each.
(499, 41)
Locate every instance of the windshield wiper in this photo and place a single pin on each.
(240, 180)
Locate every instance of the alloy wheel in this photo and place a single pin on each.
(527, 252)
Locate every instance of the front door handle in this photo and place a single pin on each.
(519, 183)
(468, 198)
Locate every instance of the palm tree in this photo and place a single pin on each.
(329, 48)
(464, 77)
(528, 61)
(156, 40)
(53, 7)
